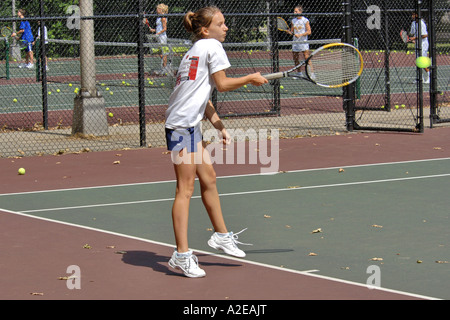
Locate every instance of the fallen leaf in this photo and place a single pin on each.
(312, 254)
(317, 230)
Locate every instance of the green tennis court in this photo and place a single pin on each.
(332, 222)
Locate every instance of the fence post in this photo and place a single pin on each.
(433, 69)
(348, 91)
(140, 46)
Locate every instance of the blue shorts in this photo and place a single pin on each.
(178, 139)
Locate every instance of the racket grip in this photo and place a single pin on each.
(272, 76)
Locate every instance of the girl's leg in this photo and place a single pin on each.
(185, 174)
(210, 196)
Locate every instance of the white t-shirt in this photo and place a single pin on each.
(194, 83)
(415, 31)
(299, 25)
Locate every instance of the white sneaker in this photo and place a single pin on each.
(188, 263)
(29, 66)
(227, 243)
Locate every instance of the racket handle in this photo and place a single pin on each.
(276, 75)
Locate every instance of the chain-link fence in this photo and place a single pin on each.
(101, 79)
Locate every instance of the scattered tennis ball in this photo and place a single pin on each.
(281, 87)
(423, 62)
(107, 88)
(110, 115)
(245, 86)
(111, 93)
(57, 90)
(49, 92)
(14, 100)
(163, 84)
(70, 84)
(396, 106)
(124, 75)
(21, 171)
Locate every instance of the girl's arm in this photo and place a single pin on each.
(224, 83)
(213, 117)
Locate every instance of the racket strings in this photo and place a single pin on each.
(6, 32)
(333, 67)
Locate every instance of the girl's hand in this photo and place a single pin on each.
(258, 79)
(223, 134)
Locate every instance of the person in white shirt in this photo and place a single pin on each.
(414, 32)
(202, 69)
(300, 29)
(45, 40)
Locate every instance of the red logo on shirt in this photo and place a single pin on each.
(193, 68)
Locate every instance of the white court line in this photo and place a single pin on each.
(226, 177)
(304, 273)
(246, 192)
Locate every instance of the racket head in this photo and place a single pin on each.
(282, 24)
(404, 36)
(334, 65)
(6, 32)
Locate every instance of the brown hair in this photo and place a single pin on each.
(193, 22)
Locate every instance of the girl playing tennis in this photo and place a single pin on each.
(201, 70)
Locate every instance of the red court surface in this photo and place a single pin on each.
(35, 253)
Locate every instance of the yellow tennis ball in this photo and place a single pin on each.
(21, 171)
(57, 90)
(281, 87)
(70, 84)
(110, 115)
(423, 62)
(14, 100)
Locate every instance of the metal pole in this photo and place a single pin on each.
(433, 71)
(419, 126)
(349, 91)
(42, 64)
(142, 135)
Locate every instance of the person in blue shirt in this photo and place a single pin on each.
(26, 38)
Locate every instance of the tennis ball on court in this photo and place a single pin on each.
(21, 171)
(49, 92)
(124, 75)
(396, 106)
(57, 90)
(70, 84)
(163, 84)
(14, 100)
(281, 87)
(107, 88)
(110, 115)
(423, 62)
(245, 86)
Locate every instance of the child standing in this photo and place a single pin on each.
(300, 29)
(26, 37)
(161, 32)
(201, 70)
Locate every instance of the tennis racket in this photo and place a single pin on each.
(6, 32)
(404, 36)
(332, 66)
(282, 25)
